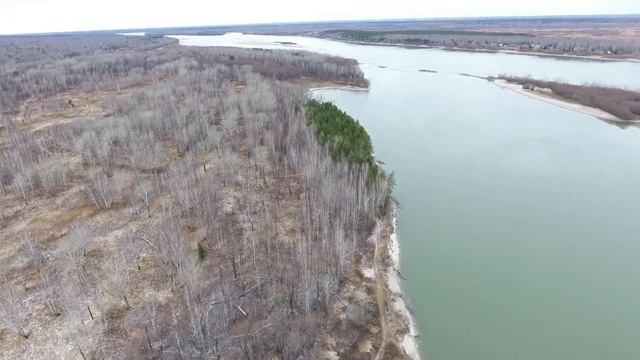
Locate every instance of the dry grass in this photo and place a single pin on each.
(66, 108)
(627, 33)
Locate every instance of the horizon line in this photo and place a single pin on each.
(284, 23)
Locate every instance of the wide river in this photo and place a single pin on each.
(519, 223)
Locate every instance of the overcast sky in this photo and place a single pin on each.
(28, 16)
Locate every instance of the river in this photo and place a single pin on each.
(518, 224)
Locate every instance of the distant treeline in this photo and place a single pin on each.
(25, 48)
(624, 104)
(489, 40)
(551, 22)
(369, 35)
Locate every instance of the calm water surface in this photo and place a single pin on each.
(518, 225)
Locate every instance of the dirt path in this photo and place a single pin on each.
(392, 307)
(380, 290)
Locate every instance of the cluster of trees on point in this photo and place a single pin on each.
(112, 71)
(238, 226)
(346, 138)
(288, 65)
(622, 103)
(487, 40)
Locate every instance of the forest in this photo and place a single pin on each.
(25, 48)
(165, 202)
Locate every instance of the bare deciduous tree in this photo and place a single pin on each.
(99, 192)
(13, 311)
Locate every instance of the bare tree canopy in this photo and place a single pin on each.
(179, 202)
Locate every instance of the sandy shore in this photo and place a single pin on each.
(538, 95)
(408, 341)
(339, 87)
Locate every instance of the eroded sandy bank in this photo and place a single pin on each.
(408, 341)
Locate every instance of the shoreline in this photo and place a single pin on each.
(489, 51)
(338, 87)
(386, 271)
(408, 341)
(600, 114)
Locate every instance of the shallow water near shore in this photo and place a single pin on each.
(518, 219)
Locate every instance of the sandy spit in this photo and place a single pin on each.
(338, 87)
(600, 114)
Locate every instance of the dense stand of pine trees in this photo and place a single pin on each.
(347, 139)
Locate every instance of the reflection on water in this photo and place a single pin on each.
(622, 125)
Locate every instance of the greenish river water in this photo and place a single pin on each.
(519, 222)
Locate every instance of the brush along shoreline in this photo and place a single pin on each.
(554, 100)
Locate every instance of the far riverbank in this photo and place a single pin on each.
(489, 51)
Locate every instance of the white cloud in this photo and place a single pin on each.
(23, 16)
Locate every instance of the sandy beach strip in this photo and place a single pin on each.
(339, 87)
(409, 341)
